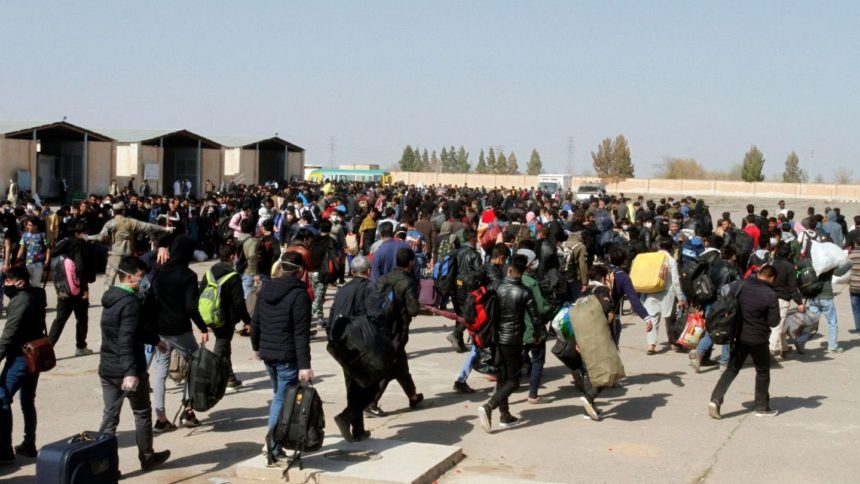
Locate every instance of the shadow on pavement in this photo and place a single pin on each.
(646, 378)
(787, 404)
(430, 351)
(234, 419)
(539, 415)
(444, 432)
(635, 408)
(220, 459)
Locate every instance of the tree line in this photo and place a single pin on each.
(454, 160)
(612, 162)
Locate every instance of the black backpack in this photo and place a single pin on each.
(207, 379)
(224, 230)
(743, 244)
(58, 275)
(553, 287)
(690, 272)
(808, 282)
(724, 320)
(300, 425)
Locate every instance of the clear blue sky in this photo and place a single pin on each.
(678, 78)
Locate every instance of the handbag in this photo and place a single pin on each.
(39, 354)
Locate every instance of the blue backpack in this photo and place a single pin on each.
(444, 275)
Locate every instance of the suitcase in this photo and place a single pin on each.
(649, 273)
(86, 458)
(426, 295)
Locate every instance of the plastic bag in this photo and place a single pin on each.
(561, 323)
(693, 330)
(361, 349)
(827, 256)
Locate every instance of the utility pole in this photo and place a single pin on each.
(331, 146)
(570, 151)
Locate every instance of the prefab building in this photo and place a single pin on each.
(254, 161)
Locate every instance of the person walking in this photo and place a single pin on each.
(759, 312)
(73, 293)
(34, 249)
(122, 364)
(25, 321)
(514, 301)
(280, 337)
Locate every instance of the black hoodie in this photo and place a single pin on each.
(176, 289)
(280, 328)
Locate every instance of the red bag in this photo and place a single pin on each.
(480, 313)
(490, 236)
(693, 330)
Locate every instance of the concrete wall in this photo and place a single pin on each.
(295, 164)
(249, 167)
(211, 168)
(16, 154)
(650, 186)
(100, 166)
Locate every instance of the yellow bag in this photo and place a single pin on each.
(649, 272)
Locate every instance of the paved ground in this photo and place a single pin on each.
(655, 427)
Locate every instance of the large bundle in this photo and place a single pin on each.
(361, 349)
(827, 256)
(648, 273)
(595, 342)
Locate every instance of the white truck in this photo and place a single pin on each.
(554, 184)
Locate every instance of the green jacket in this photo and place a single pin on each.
(546, 310)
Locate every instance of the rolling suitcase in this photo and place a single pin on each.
(426, 294)
(86, 458)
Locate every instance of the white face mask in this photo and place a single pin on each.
(773, 242)
(647, 225)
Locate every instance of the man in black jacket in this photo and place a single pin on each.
(25, 321)
(232, 304)
(280, 336)
(787, 291)
(175, 286)
(400, 284)
(354, 300)
(122, 364)
(469, 273)
(759, 312)
(73, 296)
(514, 300)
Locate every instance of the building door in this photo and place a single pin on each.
(47, 182)
(180, 163)
(272, 166)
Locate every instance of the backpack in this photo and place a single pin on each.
(723, 322)
(743, 244)
(207, 379)
(209, 303)
(300, 425)
(568, 262)
(807, 281)
(241, 260)
(224, 230)
(443, 275)
(480, 313)
(703, 290)
(330, 267)
(58, 275)
(553, 287)
(603, 221)
(489, 237)
(691, 271)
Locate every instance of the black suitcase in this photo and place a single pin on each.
(86, 458)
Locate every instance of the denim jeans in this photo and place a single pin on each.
(706, 345)
(282, 375)
(247, 284)
(35, 269)
(825, 306)
(467, 365)
(186, 345)
(535, 357)
(13, 378)
(855, 307)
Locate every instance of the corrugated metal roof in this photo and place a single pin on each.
(136, 135)
(13, 128)
(243, 141)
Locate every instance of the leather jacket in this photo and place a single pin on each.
(514, 299)
(470, 271)
(547, 257)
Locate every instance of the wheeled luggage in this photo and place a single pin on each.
(86, 458)
(426, 294)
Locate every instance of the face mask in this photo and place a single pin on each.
(10, 291)
(144, 285)
(647, 225)
(30, 208)
(773, 242)
(625, 227)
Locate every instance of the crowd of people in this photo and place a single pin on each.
(277, 250)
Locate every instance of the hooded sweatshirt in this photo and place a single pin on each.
(280, 327)
(833, 229)
(176, 289)
(123, 336)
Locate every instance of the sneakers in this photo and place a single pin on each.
(414, 402)
(485, 415)
(456, 343)
(714, 410)
(154, 460)
(801, 348)
(507, 421)
(163, 427)
(588, 403)
(26, 449)
(534, 400)
(767, 413)
(462, 388)
(343, 427)
(83, 351)
(233, 384)
(363, 435)
(694, 360)
(188, 419)
(373, 411)
(836, 350)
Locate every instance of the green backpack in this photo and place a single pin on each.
(209, 303)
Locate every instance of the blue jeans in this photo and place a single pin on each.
(706, 344)
(282, 375)
(534, 355)
(247, 284)
(826, 307)
(855, 307)
(13, 378)
(467, 365)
